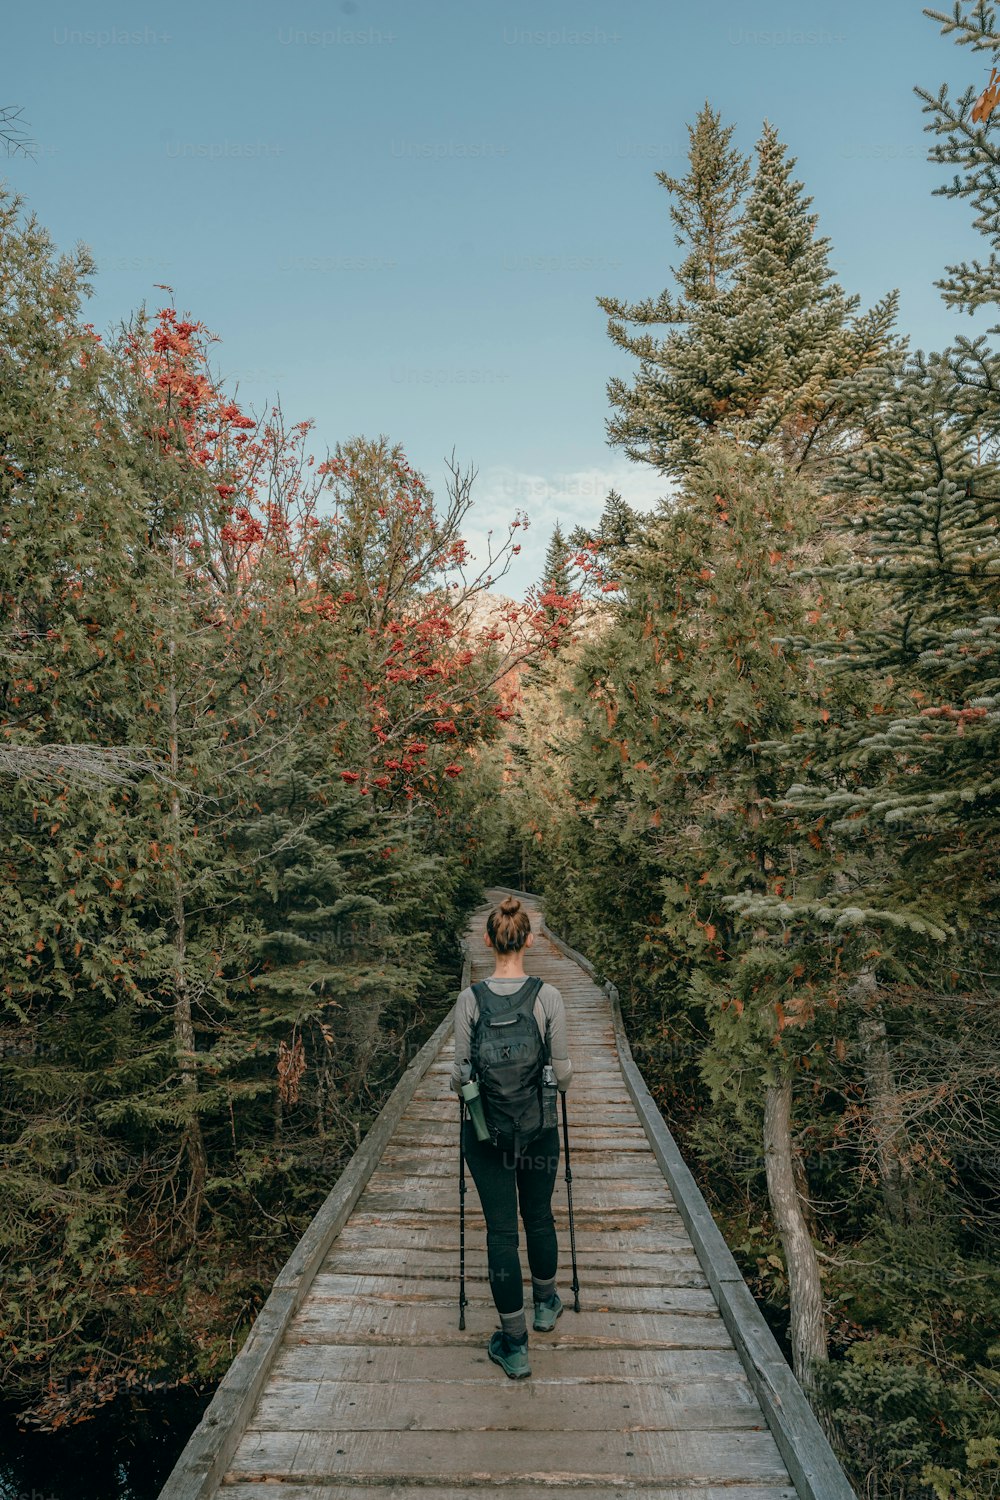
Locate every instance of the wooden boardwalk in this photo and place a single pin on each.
(371, 1383)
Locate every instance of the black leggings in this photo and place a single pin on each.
(495, 1172)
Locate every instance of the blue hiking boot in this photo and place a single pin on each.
(508, 1355)
(546, 1313)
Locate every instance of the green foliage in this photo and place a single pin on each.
(780, 735)
(763, 343)
(556, 574)
(216, 964)
(706, 208)
(906, 1431)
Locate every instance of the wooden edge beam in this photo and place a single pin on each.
(802, 1443)
(208, 1452)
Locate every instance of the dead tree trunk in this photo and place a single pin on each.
(884, 1109)
(802, 1188)
(805, 1291)
(184, 1039)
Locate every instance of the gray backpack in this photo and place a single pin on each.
(507, 1056)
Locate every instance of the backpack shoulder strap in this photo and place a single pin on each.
(528, 992)
(546, 1046)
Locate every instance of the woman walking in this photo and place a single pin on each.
(505, 1174)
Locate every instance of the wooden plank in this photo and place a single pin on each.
(443, 1135)
(333, 1406)
(649, 1192)
(448, 1109)
(561, 1458)
(423, 1245)
(591, 1127)
(593, 1065)
(440, 1137)
(265, 1490)
(595, 1269)
(611, 1367)
(666, 1234)
(596, 1197)
(347, 1322)
(587, 1167)
(647, 1229)
(368, 1289)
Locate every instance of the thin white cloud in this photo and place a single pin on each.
(573, 497)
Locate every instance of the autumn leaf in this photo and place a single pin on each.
(987, 101)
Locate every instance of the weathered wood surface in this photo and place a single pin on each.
(370, 1381)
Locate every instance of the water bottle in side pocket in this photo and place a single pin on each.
(550, 1116)
(470, 1092)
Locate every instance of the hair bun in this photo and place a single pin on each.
(508, 926)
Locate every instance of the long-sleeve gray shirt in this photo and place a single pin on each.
(550, 1014)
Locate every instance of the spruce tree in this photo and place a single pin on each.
(556, 570)
(915, 768)
(899, 785)
(705, 213)
(618, 529)
(680, 692)
(706, 207)
(762, 361)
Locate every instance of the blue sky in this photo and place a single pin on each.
(397, 214)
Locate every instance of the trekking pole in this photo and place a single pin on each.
(569, 1195)
(462, 1300)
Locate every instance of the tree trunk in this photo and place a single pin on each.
(802, 1188)
(805, 1292)
(184, 1040)
(883, 1100)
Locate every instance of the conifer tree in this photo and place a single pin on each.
(915, 767)
(706, 208)
(761, 360)
(786, 753)
(666, 771)
(900, 782)
(705, 213)
(556, 570)
(619, 528)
